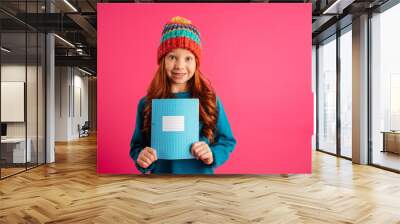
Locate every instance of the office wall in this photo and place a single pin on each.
(80, 104)
(71, 102)
(92, 87)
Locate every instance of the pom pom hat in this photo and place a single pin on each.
(179, 33)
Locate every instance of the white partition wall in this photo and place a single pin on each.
(71, 102)
(12, 100)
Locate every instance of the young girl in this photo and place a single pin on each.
(179, 76)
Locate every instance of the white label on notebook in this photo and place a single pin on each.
(173, 123)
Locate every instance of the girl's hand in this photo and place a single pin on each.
(202, 151)
(146, 157)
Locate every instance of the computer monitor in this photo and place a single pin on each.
(3, 129)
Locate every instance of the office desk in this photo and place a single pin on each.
(13, 150)
(391, 141)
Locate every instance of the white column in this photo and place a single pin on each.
(314, 90)
(360, 90)
(50, 91)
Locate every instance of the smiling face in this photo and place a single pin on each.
(180, 65)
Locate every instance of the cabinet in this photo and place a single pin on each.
(13, 150)
(391, 141)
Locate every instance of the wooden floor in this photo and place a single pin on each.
(9, 171)
(70, 191)
(5, 172)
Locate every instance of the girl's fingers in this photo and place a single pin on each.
(149, 156)
(153, 152)
(201, 151)
(204, 154)
(197, 147)
(196, 151)
(193, 151)
(146, 159)
(143, 164)
(196, 144)
(208, 161)
(150, 153)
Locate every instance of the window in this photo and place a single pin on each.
(327, 95)
(385, 88)
(346, 93)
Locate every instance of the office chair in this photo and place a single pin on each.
(84, 130)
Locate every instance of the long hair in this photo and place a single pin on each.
(199, 87)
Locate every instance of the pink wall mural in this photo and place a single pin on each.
(257, 57)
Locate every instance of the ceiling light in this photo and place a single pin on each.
(338, 6)
(71, 6)
(86, 72)
(5, 50)
(64, 40)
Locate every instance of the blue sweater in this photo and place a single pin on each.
(221, 148)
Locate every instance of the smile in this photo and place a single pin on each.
(178, 74)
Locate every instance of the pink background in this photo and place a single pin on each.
(258, 58)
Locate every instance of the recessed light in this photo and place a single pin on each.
(71, 6)
(64, 40)
(5, 50)
(86, 72)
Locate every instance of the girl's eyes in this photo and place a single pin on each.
(173, 57)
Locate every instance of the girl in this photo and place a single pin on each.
(179, 76)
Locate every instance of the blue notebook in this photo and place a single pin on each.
(174, 127)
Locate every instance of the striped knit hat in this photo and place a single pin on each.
(179, 33)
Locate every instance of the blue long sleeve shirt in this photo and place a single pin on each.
(221, 148)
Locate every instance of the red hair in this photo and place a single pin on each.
(199, 87)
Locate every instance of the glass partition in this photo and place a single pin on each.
(13, 103)
(385, 89)
(327, 95)
(22, 88)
